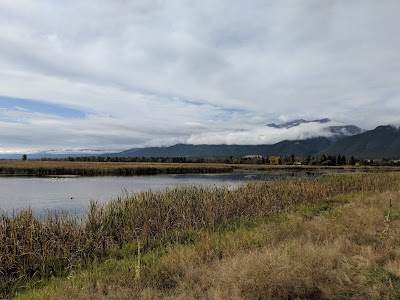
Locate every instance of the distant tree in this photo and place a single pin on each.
(339, 161)
(330, 161)
(352, 161)
(24, 157)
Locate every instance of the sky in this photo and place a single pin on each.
(106, 76)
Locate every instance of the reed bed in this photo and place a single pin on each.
(52, 168)
(34, 247)
(108, 168)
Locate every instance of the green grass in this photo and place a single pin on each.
(394, 212)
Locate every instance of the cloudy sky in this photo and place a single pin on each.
(113, 75)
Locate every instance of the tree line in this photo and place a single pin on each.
(323, 160)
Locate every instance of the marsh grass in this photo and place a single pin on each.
(336, 254)
(332, 255)
(53, 168)
(108, 168)
(37, 248)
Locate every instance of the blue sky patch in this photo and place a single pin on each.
(10, 120)
(37, 106)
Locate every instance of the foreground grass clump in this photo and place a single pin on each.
(34, 248)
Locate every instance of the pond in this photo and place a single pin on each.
(72, 194)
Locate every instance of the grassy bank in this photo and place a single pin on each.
(190, 237)
(53, 168)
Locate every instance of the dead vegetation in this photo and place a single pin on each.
(345, 245)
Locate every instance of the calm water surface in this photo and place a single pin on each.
(73, 194)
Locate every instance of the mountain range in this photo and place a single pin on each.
(349, 140)
(298, 148)
(383, 141)
(337, 138)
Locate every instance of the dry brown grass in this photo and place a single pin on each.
(347, 252)
(332, 246)
(52, 168)
(86, 168)
(342, 255)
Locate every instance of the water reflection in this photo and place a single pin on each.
(72, 194)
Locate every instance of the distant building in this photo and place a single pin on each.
(252, 156)
(275, 160)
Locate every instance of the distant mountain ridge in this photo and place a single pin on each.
(381, 142)
(349, 140)
(302, 147)
(298, 148)
(297, 122)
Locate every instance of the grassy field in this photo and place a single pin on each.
(328, 237)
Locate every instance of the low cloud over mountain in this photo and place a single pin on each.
(273, 133)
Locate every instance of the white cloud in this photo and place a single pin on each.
(160, 72)
(264, 135)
